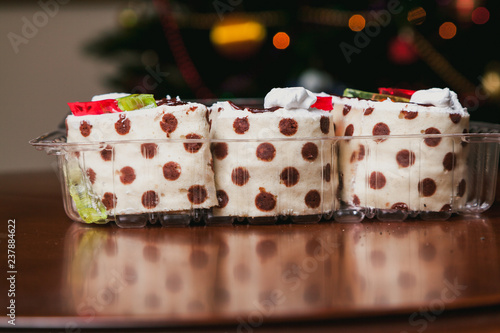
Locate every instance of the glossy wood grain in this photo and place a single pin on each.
(72, 275)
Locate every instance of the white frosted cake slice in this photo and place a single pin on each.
(415, 174)
(273, 161)
(148, 166)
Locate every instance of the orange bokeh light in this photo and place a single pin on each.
(447, 30)
(281, 40)
(357, 22)
(417, 15)
(480, 15)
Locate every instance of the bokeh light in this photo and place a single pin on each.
(447, 30)
(281, 40)
(480, 15)
(417, 16)
(491, 82)
(357, 22)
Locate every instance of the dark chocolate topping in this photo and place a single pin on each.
(169, 102)
(254, 110)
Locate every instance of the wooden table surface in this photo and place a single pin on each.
(373, 276)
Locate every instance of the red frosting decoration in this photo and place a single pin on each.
(94, 108)
(323, 103)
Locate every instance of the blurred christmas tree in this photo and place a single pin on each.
(236, 48)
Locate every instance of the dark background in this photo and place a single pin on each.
(405, 53)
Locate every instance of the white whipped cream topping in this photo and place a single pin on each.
(108, 96)
(290, 98)
(443, 98)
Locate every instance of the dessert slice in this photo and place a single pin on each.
(393, 157)
(273, 161)
(152, 159)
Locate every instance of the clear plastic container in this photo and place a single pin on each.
(392, 178)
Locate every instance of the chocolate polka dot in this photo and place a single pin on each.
(171, 171)
(151, 301)
(265, 152)
(400, 206)
(168, 123)
(406, 280)
(91, 174)
(288, 126)
(77, 154)
(405, 158)
(377, 180)
(349, 130)
(445, 208)
(221, 296)
(130, 274)
(368, 111)
(461, 188)
(381, 129)
(107, 153)
(355, 200)
(427, 252)
(241, 125)
(242, 272)
(346, 110)
(361, 153)
(109, 200)
(148, 150)
(198, 259)
(265, 201)
(432, 142)
(122, 126)
(408, 114)
(449, 161)
(353, 157)
(427, 187)
(151, 253)
(195, 146)
(312, 294)
(211, 164)
(455, 117)
(150, 199)
(266, 248)
(222, 198)
(85, 128)
(309, 151)
(173, 283)
(197, 194)
(327, 170)
(377, 258)
(324, 125)
(220, 150)
(240, 176)
(289, 176)
(127, 175)
(312, 199)
(111, 248)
